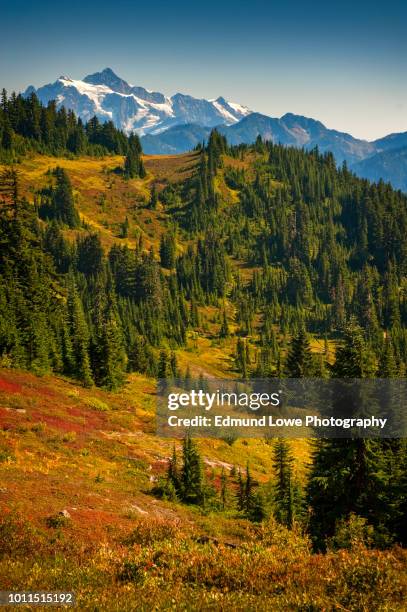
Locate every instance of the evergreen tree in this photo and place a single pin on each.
(240, 491)
(241, 358)
(351, 476)
(164, 366)
(387, 366)
(133, 164)
(153, 201)
(61, 205)
(167, 250)
(125, 228)
(191, 473)
(284, 495)
(109, 359)
(299, 361)
(90, 255)
(173, 471)
(224, 329)
(79, 336)
(188, 379)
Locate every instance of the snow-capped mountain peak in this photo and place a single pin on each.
(134, 108)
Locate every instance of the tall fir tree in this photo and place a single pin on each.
(79, 336)
(299, 360)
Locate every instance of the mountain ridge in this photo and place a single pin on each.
(286, 130)
(134, 108)
(176, 124)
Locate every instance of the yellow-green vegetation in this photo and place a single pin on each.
(85, 496)
(162, 565)
(120, 548)
(104, 197)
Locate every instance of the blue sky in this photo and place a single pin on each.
(344, 63)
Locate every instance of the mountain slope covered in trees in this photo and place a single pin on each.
(232, 261)
(177, 124)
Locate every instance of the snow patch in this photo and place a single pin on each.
(148, 117)
(224, 113)
(243, 110)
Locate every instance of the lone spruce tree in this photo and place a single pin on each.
(284, 494)
(299, 360)
(191, 474)
(63, 205)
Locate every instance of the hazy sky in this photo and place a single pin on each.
(344, 63)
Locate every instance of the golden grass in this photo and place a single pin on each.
(104, 198)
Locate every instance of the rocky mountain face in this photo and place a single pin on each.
(385, 158)
(131, 108)
(170, 125)
(291, 130)
(389, 165)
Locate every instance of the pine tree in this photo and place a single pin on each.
(109, 359)
(174, 366)
(79, 336)
(284, 497)
(387, 367)
(241, 358)
(352, 357)
(167, 250)
(138, 355)
(194, 314)
(224, 329)
(248, 489)
(249, 500)
(191, 473)
(133, 164)
(153, 201)
(257, 510)
(164, 366)
(188, 379)
(173, 471)
(63, 206)
(125, 228)
(349, 476)
(299, 360)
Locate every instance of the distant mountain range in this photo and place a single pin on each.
(109, 97)
(176, 124)
(390, 165)
(290, 130)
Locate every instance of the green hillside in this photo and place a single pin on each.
(118, 268)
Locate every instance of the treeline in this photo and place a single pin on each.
(26, 125)
(69, 307)
(325, 245)
(310, 270)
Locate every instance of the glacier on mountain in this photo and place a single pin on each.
(134, 108)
